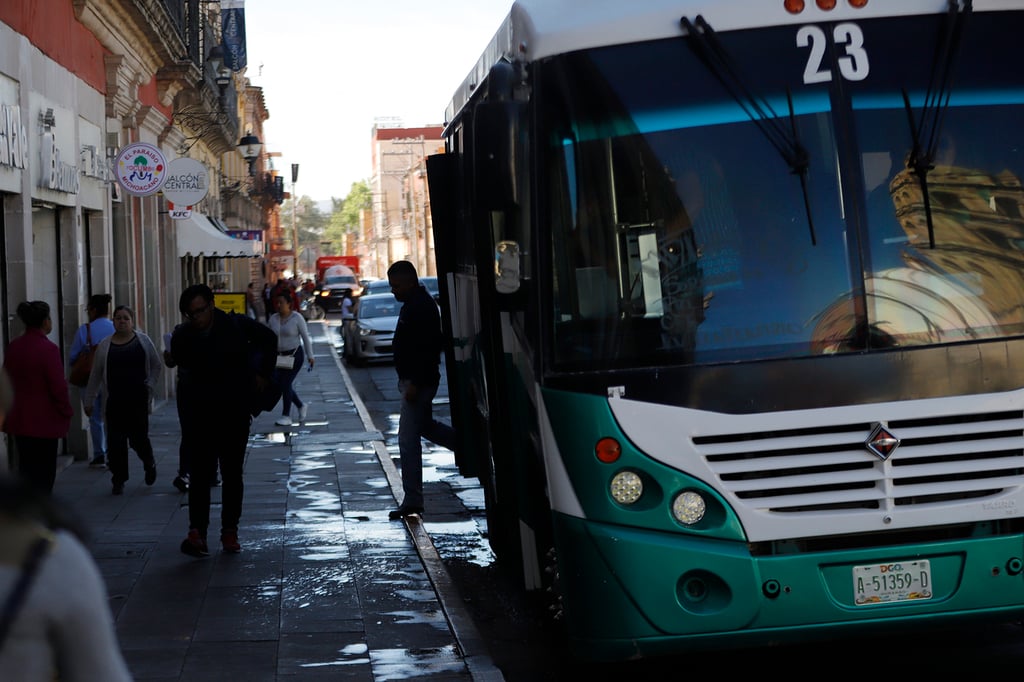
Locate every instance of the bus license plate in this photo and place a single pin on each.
(889, 583)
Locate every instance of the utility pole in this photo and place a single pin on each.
(295, 229)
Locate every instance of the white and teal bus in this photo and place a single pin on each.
(735, 296)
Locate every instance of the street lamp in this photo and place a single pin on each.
(222, 73)
(250, 146)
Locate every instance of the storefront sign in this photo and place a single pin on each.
(187, 182)
(229, 302)
(141, 169)
(13, 144)
(178, 213)
(56, 174)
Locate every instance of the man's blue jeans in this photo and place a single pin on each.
(96, 430)
(415, 421)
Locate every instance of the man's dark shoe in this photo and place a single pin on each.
(181, 483)
(195, 544)
(118, 489)
(98, 462)
(403, 511)
(229, 541)
(151, 474)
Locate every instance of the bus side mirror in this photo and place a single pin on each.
(496, 153)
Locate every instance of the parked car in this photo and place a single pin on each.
(379, 286)
(370, 335)
(376, 286)
(431, 285)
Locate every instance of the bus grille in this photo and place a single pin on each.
(805, 470)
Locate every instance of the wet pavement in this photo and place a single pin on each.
(326, 587)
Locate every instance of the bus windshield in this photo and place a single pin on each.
(680, 233)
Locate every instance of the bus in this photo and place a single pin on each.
(734, 299)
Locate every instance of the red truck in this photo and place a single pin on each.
(324, 262)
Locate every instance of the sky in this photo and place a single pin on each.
(330, 68)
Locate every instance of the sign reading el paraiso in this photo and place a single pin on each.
(141, 169)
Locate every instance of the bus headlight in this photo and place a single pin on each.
(626, 487)
(688, 508)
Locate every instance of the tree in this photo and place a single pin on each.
(346, 216)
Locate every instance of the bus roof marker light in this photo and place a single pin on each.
(826, 4)
(858, 4)
(626, 487)
(689, 508)
(794, 6)
(608, 450)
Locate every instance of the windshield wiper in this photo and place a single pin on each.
(936, 101)
(713, 55)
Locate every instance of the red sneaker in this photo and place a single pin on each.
(229, 541)
(195, 544)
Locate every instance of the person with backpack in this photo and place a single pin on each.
(88, 337)
(56, 622)
(216, 350)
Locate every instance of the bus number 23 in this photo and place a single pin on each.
(853, 65)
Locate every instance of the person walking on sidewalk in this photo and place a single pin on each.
(293, 346)
(41, 413)
(125, 372)
(417, 350)
(212, 347)
(92, 332)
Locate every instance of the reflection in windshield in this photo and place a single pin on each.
(679, 234)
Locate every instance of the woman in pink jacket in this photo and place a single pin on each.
(41, 413)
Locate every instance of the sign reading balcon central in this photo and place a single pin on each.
(186, 185)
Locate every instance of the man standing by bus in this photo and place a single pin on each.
(417, 350)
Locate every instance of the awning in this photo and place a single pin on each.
(197, 236)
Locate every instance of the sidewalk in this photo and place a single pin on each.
(326, 587)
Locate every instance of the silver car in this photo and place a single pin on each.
(430, 283)
(376, 286)
(370, 335)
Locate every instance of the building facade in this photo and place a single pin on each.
(401, 228)
(80, 80)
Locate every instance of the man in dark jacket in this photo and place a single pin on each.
(417, 349)
(215, 349)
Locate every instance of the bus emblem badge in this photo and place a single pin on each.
(881, 442)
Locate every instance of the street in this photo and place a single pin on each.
(526, 644)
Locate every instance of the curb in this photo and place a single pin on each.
(471, 644)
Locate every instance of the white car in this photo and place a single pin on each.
(370, 335)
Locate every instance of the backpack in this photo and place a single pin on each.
(259, 400)
(82, 366)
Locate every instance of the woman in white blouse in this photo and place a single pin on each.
(293, 346)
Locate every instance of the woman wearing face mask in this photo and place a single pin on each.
(126, 368)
